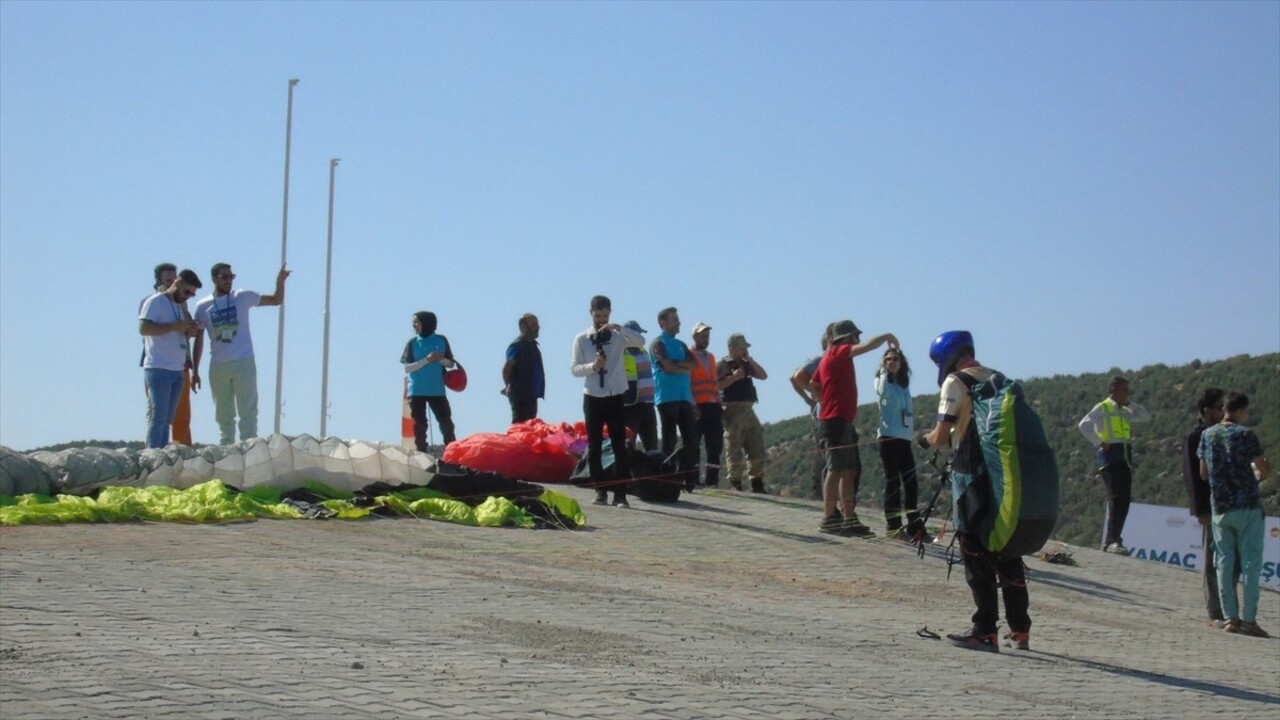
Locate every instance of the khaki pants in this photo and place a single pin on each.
(234, 386)
(743, 435)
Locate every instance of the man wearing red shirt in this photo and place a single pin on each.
(836, 386)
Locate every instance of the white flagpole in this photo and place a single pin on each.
(328, 283)
(284, 251)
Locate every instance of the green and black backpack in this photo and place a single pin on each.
(1022, 507)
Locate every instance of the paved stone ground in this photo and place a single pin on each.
(724, 605)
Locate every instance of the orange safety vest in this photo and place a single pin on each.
(703, 378)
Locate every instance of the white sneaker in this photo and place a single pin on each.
(1116, 548)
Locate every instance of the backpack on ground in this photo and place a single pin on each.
(1022, 502)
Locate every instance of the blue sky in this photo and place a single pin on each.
(1084, 186)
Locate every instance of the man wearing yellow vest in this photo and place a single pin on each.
(1107, 428)
(706, 395)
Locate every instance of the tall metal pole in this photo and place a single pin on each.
(284, 251)
(328, 283)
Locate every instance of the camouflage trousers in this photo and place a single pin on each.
(743, 436)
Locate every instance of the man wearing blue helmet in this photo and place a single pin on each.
(987, 574)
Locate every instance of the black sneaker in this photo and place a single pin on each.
(853, 527)
(974, 640)
(832, 525)
(602, 498)
(621, 501)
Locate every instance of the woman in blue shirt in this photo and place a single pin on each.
(425, 359)
(896, 427)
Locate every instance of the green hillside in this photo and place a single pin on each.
(1168, 392)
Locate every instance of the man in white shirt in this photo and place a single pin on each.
(165, 326)
(598, 358)
(233, 375)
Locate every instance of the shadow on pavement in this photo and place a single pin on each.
(1170, 680)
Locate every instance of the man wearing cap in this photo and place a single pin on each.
(233, 374)
(523, 378)
(706, 395)
(836, 385)
(742, 429)
(166, 327)
(673, 394)
(642, 419)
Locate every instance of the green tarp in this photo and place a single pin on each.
(215, 502)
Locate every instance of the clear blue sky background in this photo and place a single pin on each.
(1085, 186)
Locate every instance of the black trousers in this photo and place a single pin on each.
(901, 489)
(599, 413)
(643, 421)
(444, 418)
(990, 576)
(1118, 479)
(523, 409)
(711, 428)
(679, 416)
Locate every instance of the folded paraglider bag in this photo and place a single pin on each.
(582, 473)
(473, 488)
(655, 479)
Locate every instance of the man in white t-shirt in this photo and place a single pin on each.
(233, 374)
(165, 326)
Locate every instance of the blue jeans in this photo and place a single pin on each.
(163, 389)
(1239, 535)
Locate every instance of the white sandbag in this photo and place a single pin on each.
(258, 469)
(393, 464)
(195, 470)
(157, 468)
(281, 451)
(365, 463)
(307, 456)
(23, 475)
(275, 460)
(230, 467)
(337, 458)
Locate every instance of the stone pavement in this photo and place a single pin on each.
(722, 605)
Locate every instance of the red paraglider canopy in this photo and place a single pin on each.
(532, 450)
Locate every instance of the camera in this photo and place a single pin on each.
(599, 339)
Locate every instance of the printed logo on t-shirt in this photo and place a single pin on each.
(224, 322)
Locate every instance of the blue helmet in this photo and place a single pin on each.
(945, 347)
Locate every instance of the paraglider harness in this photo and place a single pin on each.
(944, 479)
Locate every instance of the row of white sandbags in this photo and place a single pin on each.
(275, 460)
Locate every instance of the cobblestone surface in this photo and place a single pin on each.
(722, 605)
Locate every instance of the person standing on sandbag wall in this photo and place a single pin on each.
(425, 358)
(598, 359)
(165, 275)
(523, 379)
(166, 327)
(233, 373)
